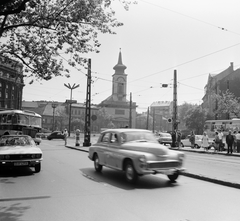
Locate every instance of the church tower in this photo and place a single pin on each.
(119, 81)
(117, 104)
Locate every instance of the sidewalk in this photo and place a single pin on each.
(224, 178)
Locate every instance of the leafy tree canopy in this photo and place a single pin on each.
(195, 119)
(227, 103)
(38, 32)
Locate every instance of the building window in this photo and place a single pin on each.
(119, 112)
(120, 88)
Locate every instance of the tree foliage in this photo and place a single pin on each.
(183, 109)
(195, 119)
(227, 103)
(38, 32)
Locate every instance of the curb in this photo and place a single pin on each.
(212, 180)
(191, 175)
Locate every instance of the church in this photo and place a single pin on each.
(117, 104)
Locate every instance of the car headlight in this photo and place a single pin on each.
(7, 157)
(143, 162)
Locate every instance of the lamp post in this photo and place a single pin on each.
(70, 103)
(54, 105)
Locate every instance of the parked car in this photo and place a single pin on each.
(165, 138)
(186, 142)
(136, 152)
(55, 135)
(19, 151)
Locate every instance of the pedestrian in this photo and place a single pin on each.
(192, 139)
(216, 142)
(229, 141)
(205, 143)
(65, 133)
(179, 135)
(238, 141)
(220, 135)
(235, 141)
(174, 140)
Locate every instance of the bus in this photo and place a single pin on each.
(20, 122)
(211, 126)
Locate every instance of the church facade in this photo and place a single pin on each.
(123, 111)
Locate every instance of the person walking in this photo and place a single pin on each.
(235, 141)
(192, 139)
(216, 142)
(205, 140)
(229, 141)
(238, 141)
(179, 135)
(220, 135)
(65, 133)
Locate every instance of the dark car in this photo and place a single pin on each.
(56, 135)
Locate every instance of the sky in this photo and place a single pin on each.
(195, 38)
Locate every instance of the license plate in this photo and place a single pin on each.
(20, 163)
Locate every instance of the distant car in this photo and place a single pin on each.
(136, 152)
(165, 138)
(41, 135)
(55, 135)
(198, 141)
(19, 151)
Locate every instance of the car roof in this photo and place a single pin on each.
(122, 130)
(164, 133)
(17, 135)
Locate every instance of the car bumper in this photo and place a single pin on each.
(163, 171)
(20, 163)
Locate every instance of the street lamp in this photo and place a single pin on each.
(54, 105)
(70, 104)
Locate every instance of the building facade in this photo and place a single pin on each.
(123, 112)
(228, 79)
(161, 111)
(11, 83)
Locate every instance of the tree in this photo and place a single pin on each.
(227, 103)
(103, 118)
(37, 32)
(195, 119)
(183, 109)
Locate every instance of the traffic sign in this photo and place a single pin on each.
(71, 101)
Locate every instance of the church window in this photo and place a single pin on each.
(119, 112)
(120, 88)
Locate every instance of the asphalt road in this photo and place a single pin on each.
(69, 189)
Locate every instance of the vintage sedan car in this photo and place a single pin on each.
(136, 152)
(19, 151)
(55, 135)
(198, 142)
(165, 138)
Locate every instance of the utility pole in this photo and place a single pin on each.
(174, 117)
(130, 111)
(70, 104)
(147, 118)
(87, 131)
(228, 115)
(153, 129)
(54, 105)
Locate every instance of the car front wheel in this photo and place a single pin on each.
(97, 166)
(130, 172)
(38, 167)
(173, 177)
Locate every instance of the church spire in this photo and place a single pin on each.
(119, 67)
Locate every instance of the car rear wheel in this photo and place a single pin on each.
(130, 172)
(173, 177)
(97, 166)
(37, 168)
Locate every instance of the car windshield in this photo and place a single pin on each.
(138, 136)
(165, 135)
(16, 141)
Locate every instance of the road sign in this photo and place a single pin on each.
(94, 117)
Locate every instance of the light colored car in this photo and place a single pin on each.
(136, 152)
(165, 138)
(198, 141)
(19, 151)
